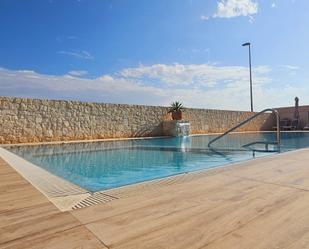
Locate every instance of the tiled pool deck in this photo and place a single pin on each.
(262, 203)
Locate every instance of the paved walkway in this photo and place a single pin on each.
(260, 204)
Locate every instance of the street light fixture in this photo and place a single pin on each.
(251, 98)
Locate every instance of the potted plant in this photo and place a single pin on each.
(175, 109)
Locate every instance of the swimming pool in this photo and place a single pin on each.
(97, 166)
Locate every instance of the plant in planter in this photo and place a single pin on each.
(176, 110)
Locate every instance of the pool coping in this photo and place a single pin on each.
(69, 196)
(81, 141)
(50, 185)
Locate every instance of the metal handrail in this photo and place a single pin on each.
(248, 120)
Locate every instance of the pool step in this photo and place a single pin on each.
(263, 146)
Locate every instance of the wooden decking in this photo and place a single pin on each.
(29, 220)
(262, 204)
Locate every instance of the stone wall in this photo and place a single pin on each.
(34, 120)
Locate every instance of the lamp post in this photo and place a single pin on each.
(251, 98)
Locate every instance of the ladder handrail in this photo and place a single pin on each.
(248, 120)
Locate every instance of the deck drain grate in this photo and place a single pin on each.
(95, 198)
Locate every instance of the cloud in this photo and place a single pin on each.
(205, 18)
(197, 85)
(289, 67)
(103, 89)
(205, 75)
(234, 8)
(78, 73)
(80, 55)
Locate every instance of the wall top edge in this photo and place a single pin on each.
(17, 99)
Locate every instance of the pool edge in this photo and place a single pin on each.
(66, 201)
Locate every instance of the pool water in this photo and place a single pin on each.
(103, 165)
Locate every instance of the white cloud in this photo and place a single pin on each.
(289, 67)
(80, 54)
(197, 85)
(206, 75)
(203, 17)
(78, 73)
(104, 89)
(234, 8)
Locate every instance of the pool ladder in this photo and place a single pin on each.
(278, 142)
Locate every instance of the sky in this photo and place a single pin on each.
(156, 51)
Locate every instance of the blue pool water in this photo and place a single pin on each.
(103, 165)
